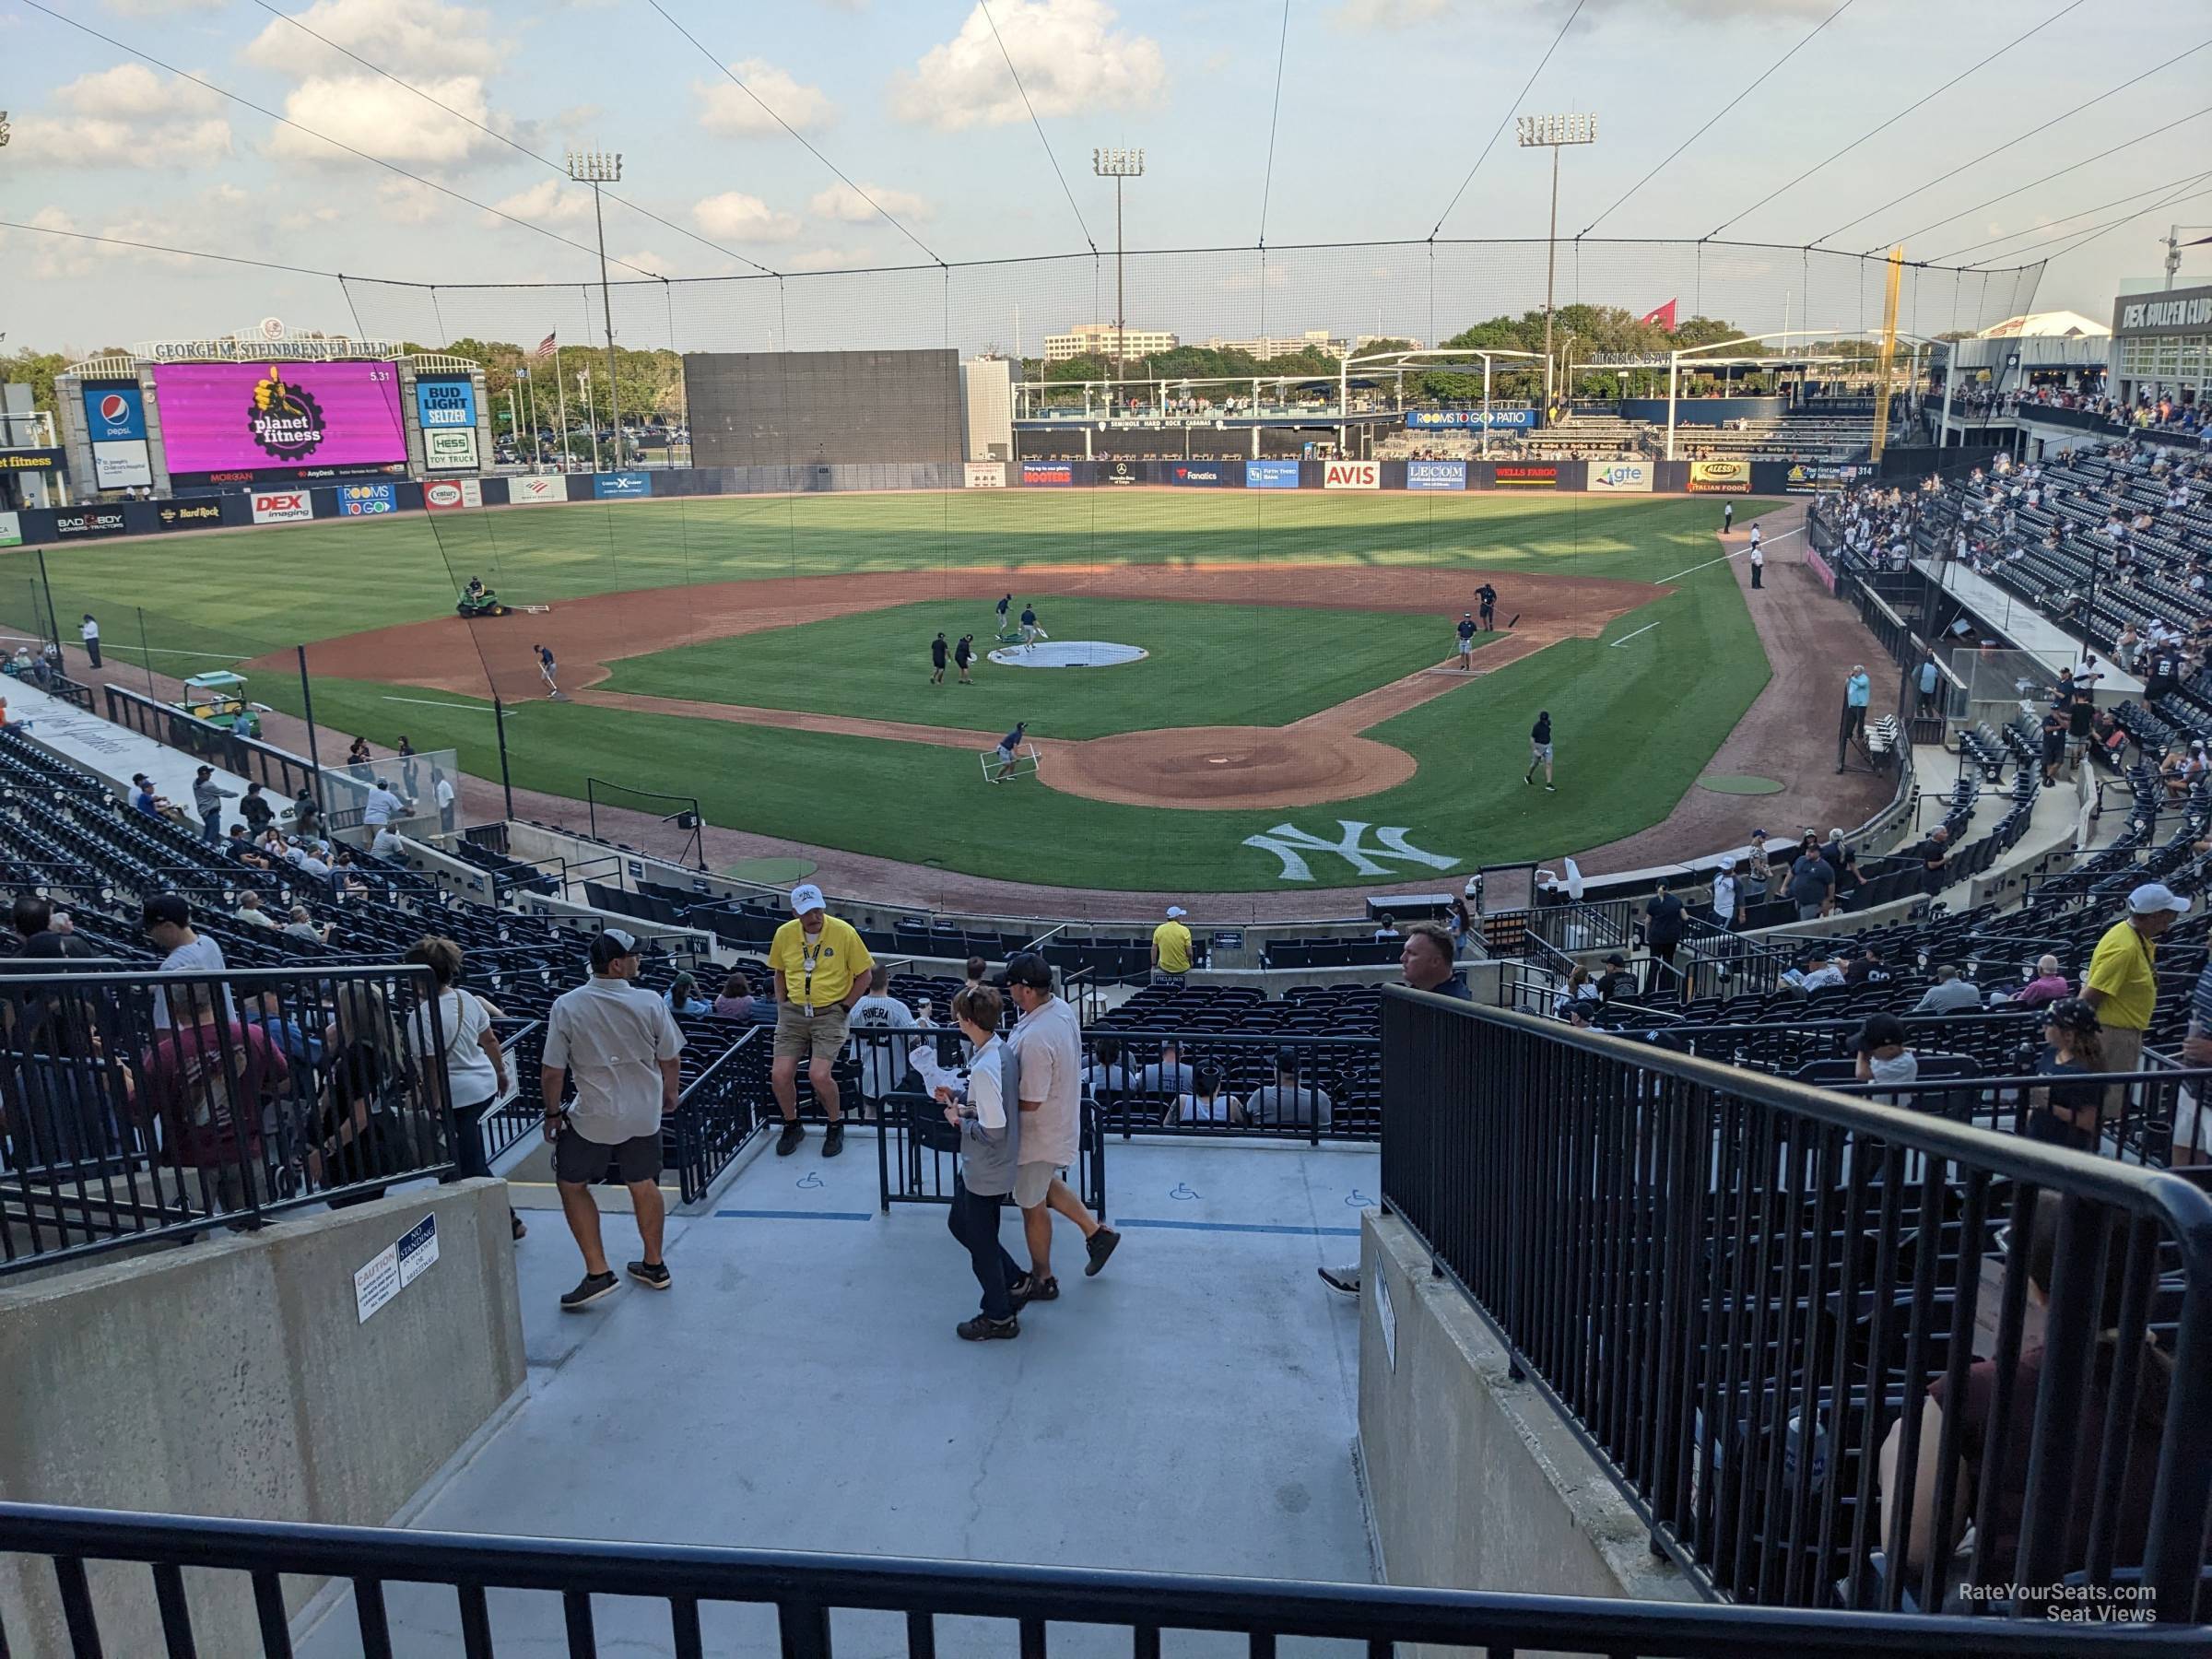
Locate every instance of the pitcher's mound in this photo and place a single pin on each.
(1223, 767)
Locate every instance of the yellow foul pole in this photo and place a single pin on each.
(1889, 355)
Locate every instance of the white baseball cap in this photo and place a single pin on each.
(2155, 895)
(805, 897)
(1176, 909)
(1728, 864)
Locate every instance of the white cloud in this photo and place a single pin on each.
(550, 201)
(307, 218)
(408, 37)
(127, 116)
(829, 259)
(223, 216)
(644, 259)
(725, 108)
(842, 202)
(404, 202)
(742, 217)
(382, 120)
(1393, 15)
(57, 257)
(162, 8)
(1070, 56)
(1388, 14)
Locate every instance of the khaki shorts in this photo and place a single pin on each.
(1032, 1181)
(2122, 1053)
(821, 1036)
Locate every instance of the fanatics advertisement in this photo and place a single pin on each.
(1271, 475)
(1528, 475)
(1613, 477)
(281, 506)
(447, 494)
(1719, 478)
(1351, 475)
(531, 490)
(1195, 472)
(261, 417)
(365, 500)
(89, 521)
(987, 475)
(619, 486)
(189, 515)
(1051, 474)
(1436, 475)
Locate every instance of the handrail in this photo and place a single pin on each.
(724, 1058)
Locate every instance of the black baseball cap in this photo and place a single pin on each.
(1617, 960)
(1028, 968)
(1880, 1031)
(172, 908)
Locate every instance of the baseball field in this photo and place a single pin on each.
(1297, 719)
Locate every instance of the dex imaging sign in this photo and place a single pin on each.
(282, 506)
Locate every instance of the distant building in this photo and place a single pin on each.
(2041, 325)
(1275, 345)
(1102, 339)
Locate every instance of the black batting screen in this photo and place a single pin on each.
(757, 408)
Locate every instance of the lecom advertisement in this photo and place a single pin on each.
(259, 416)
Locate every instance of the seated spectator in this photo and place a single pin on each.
(1108, 1071)
(205, 1080)
(1168, 1077)
(735, 999)
(362, 1125)
(1817, 973)
(978, 970)
(683, 996)
(292, 1040)
(1206, 1103)
(1882, 1054)
(1616, 982)
(1949, 994)
(1286, 1101)
(2066, 1115)
(249, 911)
(1867, 968)
(243, 850)
(1388, 926)
(1928, 1535)
(1576, 997)
(386, 843)
(2048, 985)
(302, 926)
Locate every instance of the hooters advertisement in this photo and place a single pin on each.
(1351, 475)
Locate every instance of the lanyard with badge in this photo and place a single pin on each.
(808, 956)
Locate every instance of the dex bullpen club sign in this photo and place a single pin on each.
(1351, 475)
(1528, 475)
(282, 506)
(1719, 478)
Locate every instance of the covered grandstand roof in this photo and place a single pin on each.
(2062, 325)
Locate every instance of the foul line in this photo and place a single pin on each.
(1627, 637)
(221, 656)
(430, 702)
(1723, 558)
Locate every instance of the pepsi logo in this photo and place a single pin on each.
(114, 406)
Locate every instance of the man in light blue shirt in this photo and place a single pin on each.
(1928, 675)
(1857, 692)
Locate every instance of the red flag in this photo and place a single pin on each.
(545, 347)
(1664, 316)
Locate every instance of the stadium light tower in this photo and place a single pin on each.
(1117, 165)
(597, 168)
(1552, 132)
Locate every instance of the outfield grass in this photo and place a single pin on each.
(1211, 664)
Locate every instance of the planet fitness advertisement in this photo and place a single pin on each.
(227, 421)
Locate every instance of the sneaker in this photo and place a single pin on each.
(1098, 1247)
(1346, 1280)
(653, 1275)
(980, 1329)
(834, 1142)
(1528, 777)
(589, 1289)
(515, 1222)
(1551, 789)
(788, 1142)
(1029, 1289)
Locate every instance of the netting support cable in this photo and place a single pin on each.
(1883, 126)
(768, 110)
(2088, 234)
(1282, 42)
(2050, 229)
(1499, 128)
(147, 247)
(1717, 115)
(262, 110)
(1037, 125)
(2011, 143)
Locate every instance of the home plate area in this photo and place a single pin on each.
(1069, 653)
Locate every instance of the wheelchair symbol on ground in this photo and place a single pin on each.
(809, 1181)
(1181, 1192)
(1291, 844)
(1356, 1199)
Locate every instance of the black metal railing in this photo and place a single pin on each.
(141, 1105)
(1751, 1299)
(249, 758)
(717, 1111)
(521, 1111)
(918, 1153)
(584, 1597)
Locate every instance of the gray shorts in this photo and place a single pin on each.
(1032, 1181)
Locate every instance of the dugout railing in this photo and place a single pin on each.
(1733, 1289)
(96, 1572)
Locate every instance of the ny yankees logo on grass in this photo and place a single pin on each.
(1290, 843)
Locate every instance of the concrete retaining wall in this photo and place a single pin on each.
(1474, 1483)
(233, 1377)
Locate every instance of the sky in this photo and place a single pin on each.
(892, 133)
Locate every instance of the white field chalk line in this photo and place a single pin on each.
(1765, 541)
(431, 702)
(1627, 637)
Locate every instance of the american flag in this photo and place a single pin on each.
(545, 347)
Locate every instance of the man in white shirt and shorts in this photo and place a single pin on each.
(1046, 1052)
(619, 1041)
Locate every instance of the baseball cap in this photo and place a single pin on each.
(2155, 895)
(2071, 1014)
(1176, 909)
(1028, 968)
(805, 897)
(172, 908)
(1728, 864)
(611, 945)
(1880, 1031)
(1617, 960)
